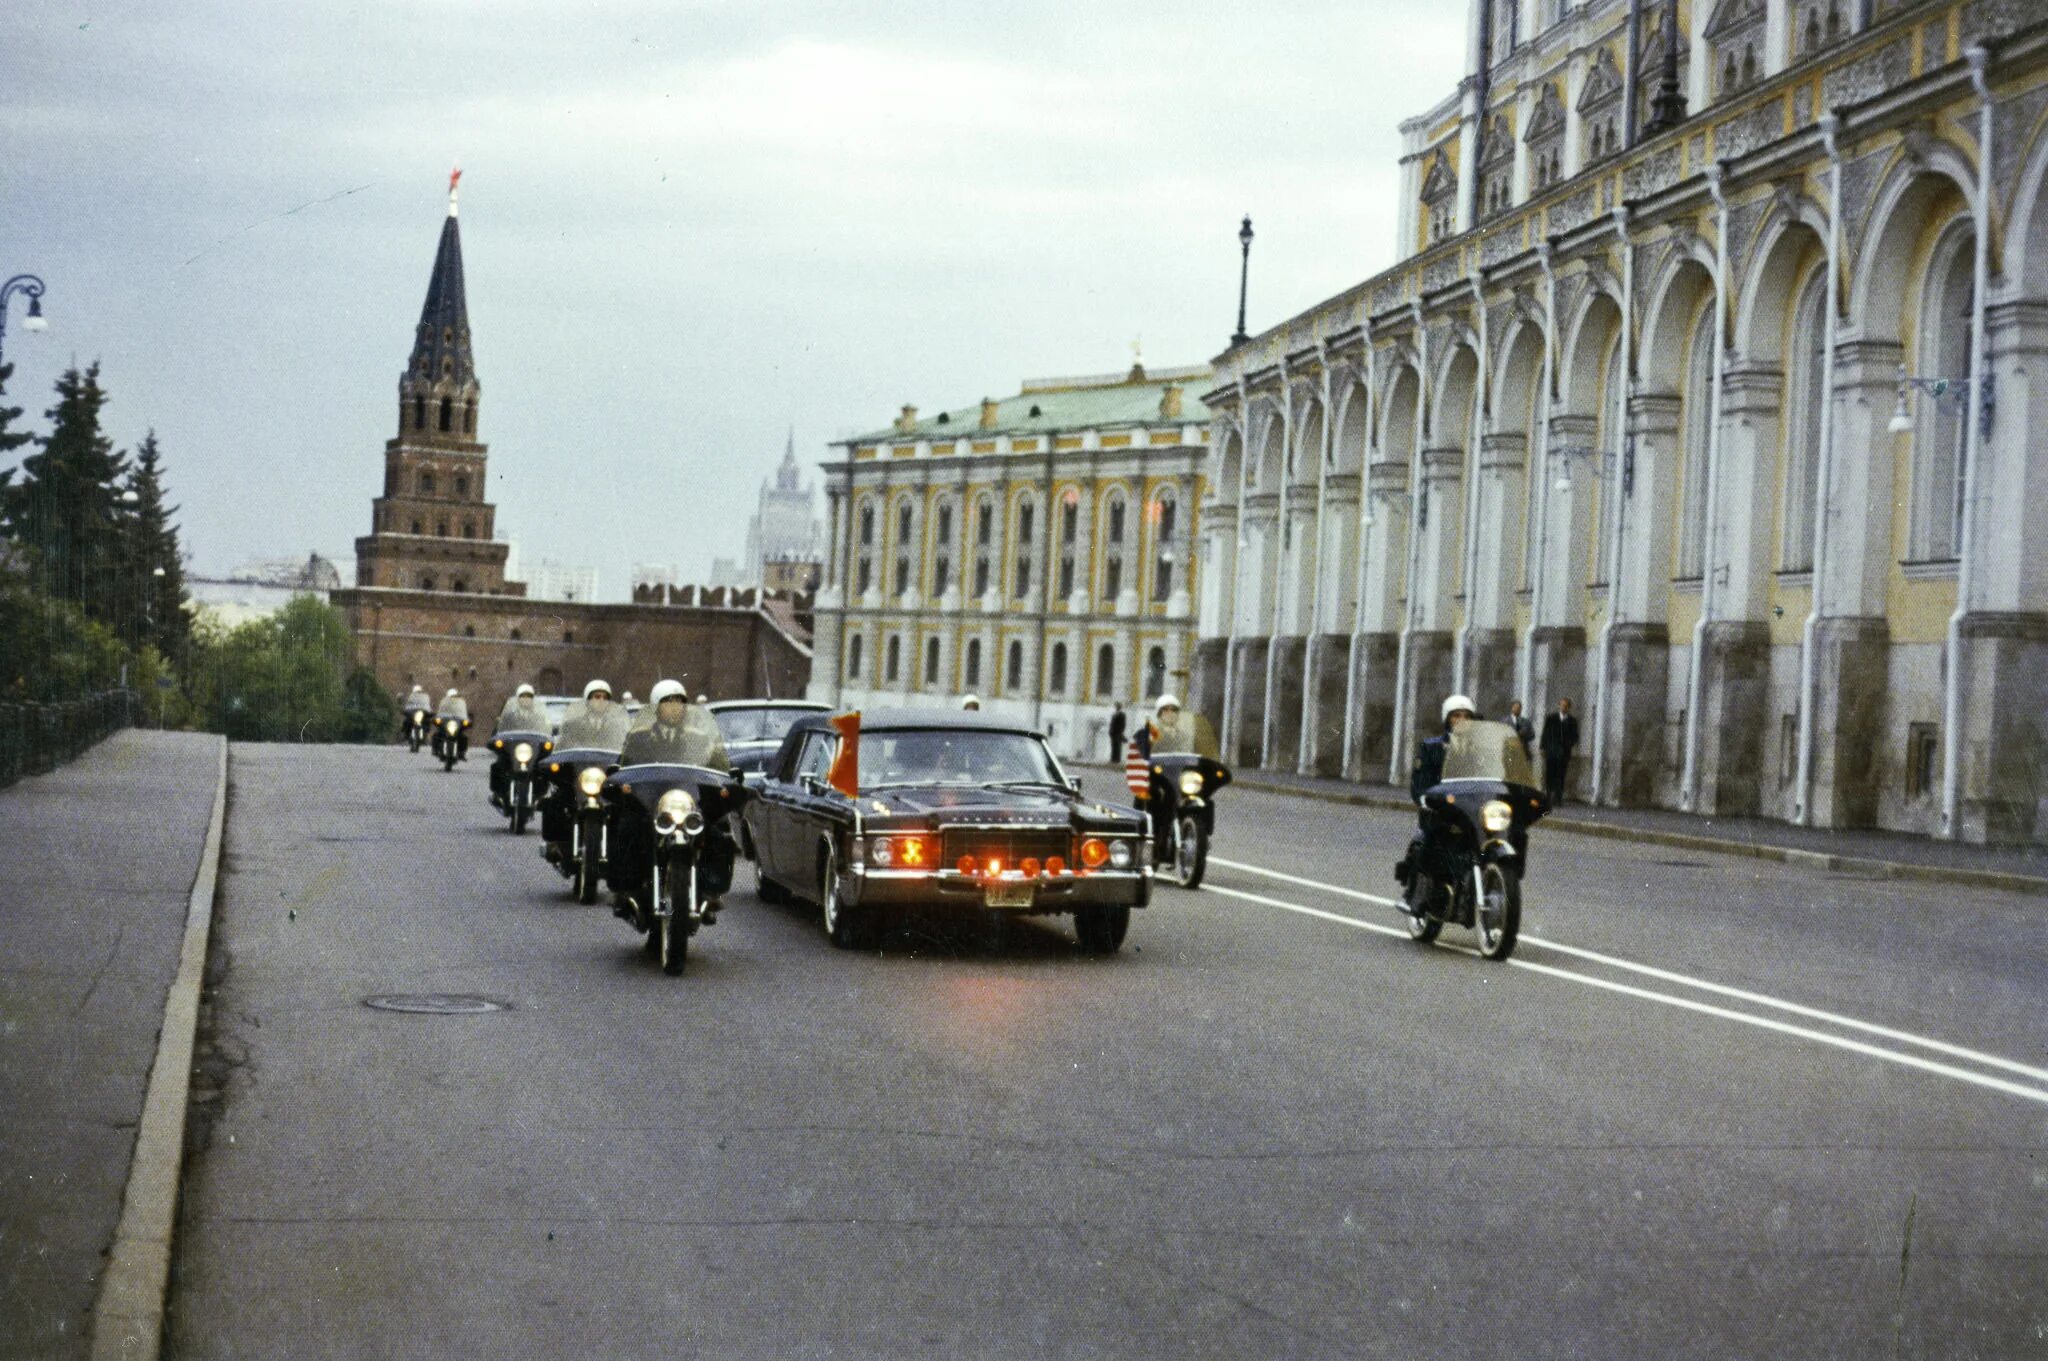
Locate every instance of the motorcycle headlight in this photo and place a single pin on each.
(1496, 816)
(522, 752)
(449, 725)
(1120, 855)
(674, 805)
(590, 780)
(1191, 784)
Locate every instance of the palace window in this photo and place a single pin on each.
(972, 671)
(931, 661)
(1014, 673)
(1817, 24)
(1105, 671)
(853, 650)
(1497, 167)
(1600, 108)
(984, 522)
(1941, 429)
(1806, 370)
(981, 574)
(1440, 197)
(1735, 40)
(1164, 515)
(1057, 683)
(1155, 673)
(892, 659)
(1699, 428)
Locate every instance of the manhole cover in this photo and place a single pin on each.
(435, 1003)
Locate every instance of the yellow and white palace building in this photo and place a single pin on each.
(1638, 420)
(1035, 551)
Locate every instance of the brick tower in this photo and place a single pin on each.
(431, 529)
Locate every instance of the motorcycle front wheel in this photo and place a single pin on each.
(520, 813)
(586, 877)
(1191, 854)
(1498, 914)
(675, 941)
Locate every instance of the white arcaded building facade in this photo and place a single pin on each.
(1035, 551)
(1626, 423)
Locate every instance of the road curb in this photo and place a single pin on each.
(1787, 855)
(128, 1315)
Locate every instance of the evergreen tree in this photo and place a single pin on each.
(151, 558)
(64, 510)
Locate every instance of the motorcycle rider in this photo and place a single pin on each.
(1170, 732)
(674, 731)
(671, 730)
(1427, 775)
(520, 714)
(454, 706)
(596, 722)
(418, 702)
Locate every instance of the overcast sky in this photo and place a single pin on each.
(687, 227)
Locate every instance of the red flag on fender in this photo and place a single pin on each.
(845, 773)
(1138, 771)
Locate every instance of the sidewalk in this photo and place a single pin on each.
(1892, 854)
(97, 862)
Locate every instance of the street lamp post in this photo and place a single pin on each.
(1244, 239)
(32, 287)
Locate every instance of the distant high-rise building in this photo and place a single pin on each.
(785, 526)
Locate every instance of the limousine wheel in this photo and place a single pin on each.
(1101, 930)
(848, 927)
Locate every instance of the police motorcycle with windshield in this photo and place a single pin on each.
(862, 812)
(413, 727)
(451, 730)
(669, 846)
(575, 834)
(518, 746)
(1477, 799)
(1173, 770)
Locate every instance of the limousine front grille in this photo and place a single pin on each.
(1007, 844)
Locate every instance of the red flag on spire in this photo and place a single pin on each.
(454, 178)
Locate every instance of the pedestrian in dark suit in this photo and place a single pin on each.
(1560, 736)
(1524, 729)
(1118, 723)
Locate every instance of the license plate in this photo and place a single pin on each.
(1010, 895)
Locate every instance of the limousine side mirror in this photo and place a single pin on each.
(1074, 783)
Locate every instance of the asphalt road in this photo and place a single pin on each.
(1701, 1114)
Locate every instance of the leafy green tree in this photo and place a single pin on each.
(289, 678)
(64, 509)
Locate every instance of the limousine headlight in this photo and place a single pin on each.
(903, 852)
(1119, 855)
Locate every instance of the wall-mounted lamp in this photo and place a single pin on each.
(1940, 390)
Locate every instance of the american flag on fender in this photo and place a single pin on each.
(1138, 770)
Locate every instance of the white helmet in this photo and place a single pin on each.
(596, 686)
(668, 689)
(523, 690)
(971, 702)
(1457, 702)
(1166, 702)
(450, 694)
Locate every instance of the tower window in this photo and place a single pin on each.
(427, 483)
(419, 413)
(441, 528)
(447, 413)
(469, 418)
(415, 526)
(461, 485)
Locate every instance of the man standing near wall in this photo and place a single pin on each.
(1560, 736)
(1118, 723)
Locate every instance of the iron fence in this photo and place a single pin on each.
(37, 738)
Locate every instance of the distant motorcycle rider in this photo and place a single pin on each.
(1170, 732)
(454, 706)
(418, 702)
(596, 722)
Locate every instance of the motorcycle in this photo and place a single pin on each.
(512, 774)
(448, 740)
(1183, 808)
(416, 728)
(1467, 868)
(572, 816)
(671, 850)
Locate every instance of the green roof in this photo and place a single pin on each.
(1062, 405)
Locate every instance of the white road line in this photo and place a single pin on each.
(1683, 1003)
(1686, 980)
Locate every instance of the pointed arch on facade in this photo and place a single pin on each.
(1352, 434)
(1583, 355)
